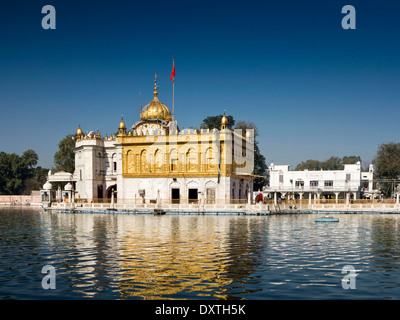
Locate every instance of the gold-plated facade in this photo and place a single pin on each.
(187, 155)
(219, 162)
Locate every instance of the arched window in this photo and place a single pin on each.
(173, 160)
(144, 165)
(210, 160)
(130, 163)
(158, 161)
(191, 160)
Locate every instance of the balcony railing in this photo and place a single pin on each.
(314, 189)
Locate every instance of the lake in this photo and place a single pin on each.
(137, 256)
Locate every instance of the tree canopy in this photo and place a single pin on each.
(64, 158)
(387, 165)
(215, 122)
(387, 161)
(333, 163)
(18, 174)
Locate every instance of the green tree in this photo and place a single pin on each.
(64, 158)
(351, 159)
(215, 122)
(30, 159)
(244, 125)
(333, 163)
(309, 165)
(387, 164)
(260, 167)
(15, 170)
(36, 181)
(11, 173)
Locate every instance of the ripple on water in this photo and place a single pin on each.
(190, 257)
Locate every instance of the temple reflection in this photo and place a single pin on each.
(158, 257)
(179, 254)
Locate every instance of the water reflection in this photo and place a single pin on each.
(154, 257)
(180, 256)
(108, 256)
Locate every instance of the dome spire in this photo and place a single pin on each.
(122, 127)
(79, 133)
(224, 121)
(155, 109)
(155, 85)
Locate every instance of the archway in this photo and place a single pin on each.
(110, 189)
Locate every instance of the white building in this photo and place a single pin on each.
(329, 184)
(156, 161)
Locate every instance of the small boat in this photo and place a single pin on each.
(326, 219)
(159, 211)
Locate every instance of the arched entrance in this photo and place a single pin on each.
(110, 189)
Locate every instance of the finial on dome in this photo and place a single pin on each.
(155, 109)
(155, 85)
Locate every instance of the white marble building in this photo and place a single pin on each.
(156, 161)
(330, 184)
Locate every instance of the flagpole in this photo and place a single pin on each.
(173, 93)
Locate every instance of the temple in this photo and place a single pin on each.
(154, 160)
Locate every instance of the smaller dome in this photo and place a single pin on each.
(122, 123)
(47, 186)
(224, 121)
(68, 187)
(79, 131)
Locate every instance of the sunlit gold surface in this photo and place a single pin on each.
(160, 265)
(191, 155)
(156, 109)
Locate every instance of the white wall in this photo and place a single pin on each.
(282, 179)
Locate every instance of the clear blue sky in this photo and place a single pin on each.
(313, 89)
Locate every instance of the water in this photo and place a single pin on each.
(117, 256)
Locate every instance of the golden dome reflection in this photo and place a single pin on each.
(156, 109)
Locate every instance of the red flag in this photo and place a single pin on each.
(173, 72)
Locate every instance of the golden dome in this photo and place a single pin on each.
(122, 123)
(79, 131)
(122, 127)
(155, 109)
(224, 120)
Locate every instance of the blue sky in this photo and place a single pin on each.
(313, 89)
